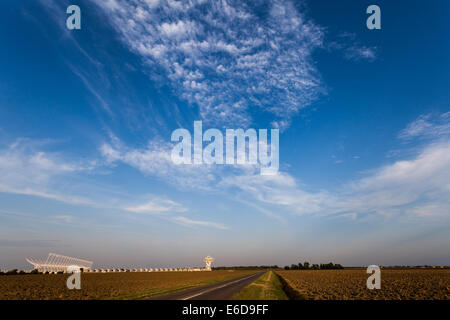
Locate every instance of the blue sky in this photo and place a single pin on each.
(86, 117)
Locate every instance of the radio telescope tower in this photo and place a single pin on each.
(208, 260)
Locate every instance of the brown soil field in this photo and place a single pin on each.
(123, 285)
(350, 284)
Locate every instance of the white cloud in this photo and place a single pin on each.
(420, 181)
(157, 206)
(188, 222)
(429, 126)
(25, 170)
(404, 186)
(418, 186)
(431, 210)
(155, 160)
(240, 60)
(279, 190)
(351, 48)
(360, 53)
(178, 30)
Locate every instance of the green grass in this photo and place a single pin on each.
(267, 287)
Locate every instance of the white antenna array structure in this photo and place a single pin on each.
(57, 263)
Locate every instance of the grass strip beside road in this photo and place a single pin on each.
(266, 287)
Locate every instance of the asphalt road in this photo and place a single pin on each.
(218, 291)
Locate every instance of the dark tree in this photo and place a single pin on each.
(12, 272)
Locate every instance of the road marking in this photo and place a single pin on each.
(212, 289)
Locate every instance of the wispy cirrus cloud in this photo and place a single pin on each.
(415, 186)
(351, 48)
(229, 60)
(95, 87)
(420, 182)
(357, 53)
(157, 206)
(189, 222)
(428, 126)
(167, 208)
(28, 170)
(155, 160)
(411, 185)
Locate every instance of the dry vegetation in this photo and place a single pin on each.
(127, 285)
(267, 287)
(396, 284)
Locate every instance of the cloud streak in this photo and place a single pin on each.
(347, 44)
(428, 126)
(155, 160)
(27, 171)
(192, 223)
(157, 206)
(405, 186)
(417, 186)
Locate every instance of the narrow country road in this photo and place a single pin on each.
(218, 291)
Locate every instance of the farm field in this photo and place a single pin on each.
(350, 284)
(123, 285)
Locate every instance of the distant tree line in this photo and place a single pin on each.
(246, 267)
(308, 266)
(16, 272)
